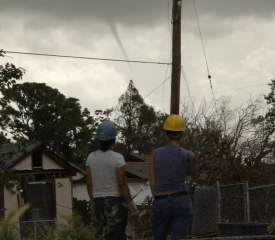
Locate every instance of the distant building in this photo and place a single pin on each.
(138, 175)
(43, 179)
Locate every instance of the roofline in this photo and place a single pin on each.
(23, 154)
(47, 152)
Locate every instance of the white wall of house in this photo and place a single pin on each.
(25, 164)
(141, 189)
(64, 205)
(78, 176)
(80, 191)
(49, 163)
(10, 200)
(63, 188)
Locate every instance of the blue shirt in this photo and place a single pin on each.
(172, 164)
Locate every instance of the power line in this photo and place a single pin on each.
(204, 52)
(156, 88)
(230, 90)
(87, 58)
(202, 43)
(188, 87)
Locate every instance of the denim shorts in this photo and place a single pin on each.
(172, 215)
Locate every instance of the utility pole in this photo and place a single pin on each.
(176, 57)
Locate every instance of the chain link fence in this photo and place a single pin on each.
(36, 230)
(262, 203)
(242, 203)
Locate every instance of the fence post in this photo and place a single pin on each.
(246, 197)
(219, 202)
(35, 231)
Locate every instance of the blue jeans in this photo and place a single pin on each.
(111, 218)
(172, 214)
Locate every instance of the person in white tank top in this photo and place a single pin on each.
(107, 185)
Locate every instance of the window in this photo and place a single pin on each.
(40, 217)
(37, 160)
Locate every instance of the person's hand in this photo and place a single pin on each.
(132, 207)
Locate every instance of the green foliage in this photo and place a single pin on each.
(8, 227)
(138, 122)
(2, 53)
(9, 74)
(74, 229)
(3, 139)
(8, 179)
(8, 230)
(270, 100)
(37, 112)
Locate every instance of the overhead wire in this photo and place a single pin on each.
(162, 84)
(229, 92)
(87, 58)
(188, 87)
(202, 42)
(157, 87)
(204, 52)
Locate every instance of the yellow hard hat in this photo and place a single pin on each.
(174, 123)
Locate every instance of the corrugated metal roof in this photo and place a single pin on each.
(139, 169)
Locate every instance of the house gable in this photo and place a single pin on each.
(32, 157)
(49, 163)
(26, 164)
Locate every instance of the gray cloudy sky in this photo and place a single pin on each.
(239, 38)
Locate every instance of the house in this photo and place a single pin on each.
(137, 176)
(43, 179)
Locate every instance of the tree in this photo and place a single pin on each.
(270, 100)
(232, 145)
(138, 122)
(3, 139)
(37, 112)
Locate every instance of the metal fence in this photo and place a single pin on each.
(241, 202)
(36, 230)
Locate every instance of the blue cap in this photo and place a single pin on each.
(106, 131)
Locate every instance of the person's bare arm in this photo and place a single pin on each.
(123, 185)
(89, 182)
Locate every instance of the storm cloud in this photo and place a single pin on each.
(132, 12)
(238, 36)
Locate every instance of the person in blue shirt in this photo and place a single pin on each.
(170, 166)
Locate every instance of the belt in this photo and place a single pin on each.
(170, 195)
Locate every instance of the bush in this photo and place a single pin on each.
(73, 229)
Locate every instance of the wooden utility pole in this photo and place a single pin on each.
(176, 57)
